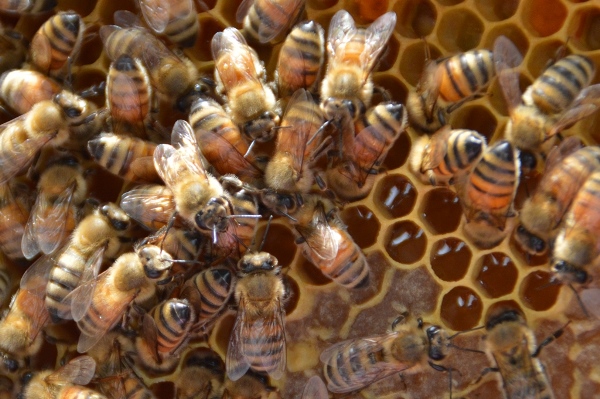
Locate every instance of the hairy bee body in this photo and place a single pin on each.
(14, 213)
(5, 282)
(208, 293)
(26, 6)
(201, 376)
(266, 20)
(151, 205)
(21, 89)
(177, 20)
(13, 49)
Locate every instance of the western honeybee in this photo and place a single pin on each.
(556, 100)
(445, 156)
(300, 60)
(353, 54)
(352, 172)
(221, 141)
(201, 376)
(14, 212)
(151, 205)
(97, 235)
(5, 281)
(98, 304)
(448, 83)
(177, 20)
(7, 388)
(487, 194)
(13, 49)
(128, 157)
(64, 383)
(62, 189)
(359, 362)
(511, 347)
(257, 340)
(266, 20)
(240, 77)
(26, 6)
(56, 44)
(21, 89)
(289, 169)
(315, 389)
(567, 168)
(250, 385)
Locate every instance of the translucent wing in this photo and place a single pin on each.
(319, 236)
(231, 158)
(150, 336)
(586, 103)
(37, 313)
(235, 60)
(150, 205)
(56, 216)
(559, 152)
(127, 19)
(236, 362)
(340, 27)
(122, 85)
(506, 54)
(29, 242)
(242, 10)
(157, 13)
(78, 371)
(36, 276)
(81, 297)
(21, 155)
(591, 300)
(509, 83)
(377, 36)
(315, 389)
(439, 147)
(105, 32)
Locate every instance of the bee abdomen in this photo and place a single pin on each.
(173, 320)
(465, 74)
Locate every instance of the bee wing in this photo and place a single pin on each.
(78, 371)
(241, 56)
(509, 83)
(561, 151)
(320, 237)
(590, 298)
(340, 27)
(36, 276)
(105, 31)
(584, 104)
(156, 13)
(242, 10)
(377, 36)
(29, 242)
(81, 297)
(150, 336)
(183, 139)
(315, 389)
(506, 54)
(127, 19)
(439, 144)
(17, 161)
(156, 208)
(236, 362)
(50, 239)
(143, 170)
(269, 333)
(292, 9)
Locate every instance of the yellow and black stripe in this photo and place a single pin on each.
(116, 153)
(465, 74)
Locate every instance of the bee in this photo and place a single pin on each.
(177, 20)
(208, 292)
(97, 235)
(21, 89)
(250, 385)
(257, 340)
(448, 83)
(557, 99)
(351, 176)
(315, 389)
(510, 345)
(5, 281)
(6, 388)
(221, 141)
(201, 376)
(98, 304)
(151, 205)
(300, 61)
(240, 77)
(446, 156)
(353, 54)
(487, 195)
(13, 49)
(62, 189)
(290, 168)
(63, 383)
(266, 20)
(57, 43)
(26, 6)
(173, 75)
(567, 168)
(359, 362)
(14, 212)
(130, 158)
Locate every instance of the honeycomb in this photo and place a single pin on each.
(411, 233)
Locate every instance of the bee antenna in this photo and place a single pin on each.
(250, 148)
(243, 216)
(555, 335)
(451, 345)
(580, 302)
(465, 331)
(214, 234)
(265, 235)
(553, 281)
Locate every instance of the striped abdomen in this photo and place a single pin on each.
(21, 89)
(64, 278)
(179, 23)
(214, 288)
(266, 19)
(135, 389)
(462, 148)
(558, 86)
(465, 74)
(121, 156)
(173, 319)
(583, 219)
(349, 268)
(26, 6)
(301, 59)
(14, 213)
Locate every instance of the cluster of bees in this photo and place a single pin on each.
(201, 185)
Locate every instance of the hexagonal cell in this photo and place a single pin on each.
(362, 224)
(412, 62)
(106, 10)
(449, 2)
(228, 10)
(475, 117)
(280, 242)
(222, 332)
(89, 77)
(321, 4)
(459, 30)
(537, 291)
(512, 32)
(201, 49)
(368, 11)
(206, 5)
(378, 265)
(416, 18)
(461, 308)
(584, 28)
(398, 154)
(543, 17)
(497, 274)
(163, 389)
(497, 10)
(394, 87)
(294, 294)
(450, 259)
(389, 55)
(405, 242)
(310, 274)
(441, 210)
(395, 196)
(93, 48)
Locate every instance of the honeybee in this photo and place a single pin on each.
(221, 141)
(128, 157)
(56, 44)
(173, 75)
(208, 292)
(300, 61)
(240, 78)
(250, 385)
(62, 189)
(352, 175)
(257, 340)
(6, 387)
(353, 54)
(26, 6)
(5, 281)
(567, 168)
(266, 20)
(290, 168)
(63, 383)
(356, 363)
(487, 194)
(201, 376)
(315, 389)
(556, 100)
(151, 205)
(97, 235)
(14, 212)
(448, 83)
(13, 49)
(510, 345)
(177, 20)
(21, 89)
(446, 156)
(98, 304)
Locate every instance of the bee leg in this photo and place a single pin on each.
(555, 335)
(385, 94)
(439, 367)
(484, 372)
(93, 90)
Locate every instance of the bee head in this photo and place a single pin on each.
(569, 273)
(529, 241)
(262, 128)
(117, 217)
(263, 261)
(157, 263)
(438, 342)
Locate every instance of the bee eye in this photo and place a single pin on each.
(11, 365)
(73, 112)
(26, 378)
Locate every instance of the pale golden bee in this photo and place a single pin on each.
(177, 20)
